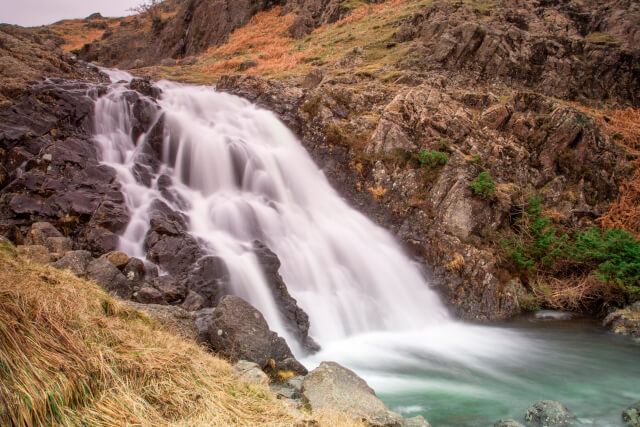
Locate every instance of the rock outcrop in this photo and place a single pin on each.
(625, 321)
(631, 415)
(239, 331)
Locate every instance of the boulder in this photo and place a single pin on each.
(193, 301)
(548, 413)
(76, 262)
(171, 291)
(40, 232)
(134, 270)
(107, 275)
(625, 321)
(240, 332)
(249, 372)
(203, 318)
(631, 415)
(331, 387)
(149, 295)
(119, 259)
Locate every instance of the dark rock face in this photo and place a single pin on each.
(240, 332)
(549, 413)
(52, 167)
(297, 320)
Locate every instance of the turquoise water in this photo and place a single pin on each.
(594, 373)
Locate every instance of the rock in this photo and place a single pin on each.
(548, 413)
(249, 372)
(59, 245)
(167, 62)
(247, 64)
(36, 253)
(171, 317)
(107, 275)
(313, 79)
(631, 415)
(418, 421)
(189, 60)
(331, 387)
(625, 321)
(101, 241)
(297, 320)
(193, 301)
(494, 117)
(203, 318)
(508, 422)
(172, 292)
(76, 262)
(150, 295)
(208, 278)
(134, 270)
(40, 232)
(240, 332)
(145, 87)
(119, 259)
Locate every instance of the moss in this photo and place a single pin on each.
(597, 37)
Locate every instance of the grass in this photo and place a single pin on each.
(72, 355)
(483, 185)
(266, 39)
(597, 37)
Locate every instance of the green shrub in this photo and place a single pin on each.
(483, 185)
(433, 158)
(613, 254)
(538, 243)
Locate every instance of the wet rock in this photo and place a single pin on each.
(331, 387)
(150, 295)
(240, 332)
(631, 415)
(548, 413)
(107, 275)
(145, 87)
(508, 422)
(249, 372)
(297, 319)
(209, 279)
(76, 262)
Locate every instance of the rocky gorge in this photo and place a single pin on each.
(486, 95)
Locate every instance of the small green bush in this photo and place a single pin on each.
(433, 158)
(483, 185)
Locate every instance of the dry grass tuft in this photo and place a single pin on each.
(71, 355)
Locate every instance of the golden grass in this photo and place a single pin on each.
(71, 355)
(265, 38)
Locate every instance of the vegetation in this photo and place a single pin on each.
(483, 185)
(573, 271)
(71, 355)
(432, 158)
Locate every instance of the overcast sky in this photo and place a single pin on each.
(30, 13)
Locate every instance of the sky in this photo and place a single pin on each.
(30, 13)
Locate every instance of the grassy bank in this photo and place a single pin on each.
(71, 355)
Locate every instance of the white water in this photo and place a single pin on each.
(246, 177)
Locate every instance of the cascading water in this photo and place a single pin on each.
(245, 177)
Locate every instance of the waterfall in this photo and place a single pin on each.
(246, 177)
